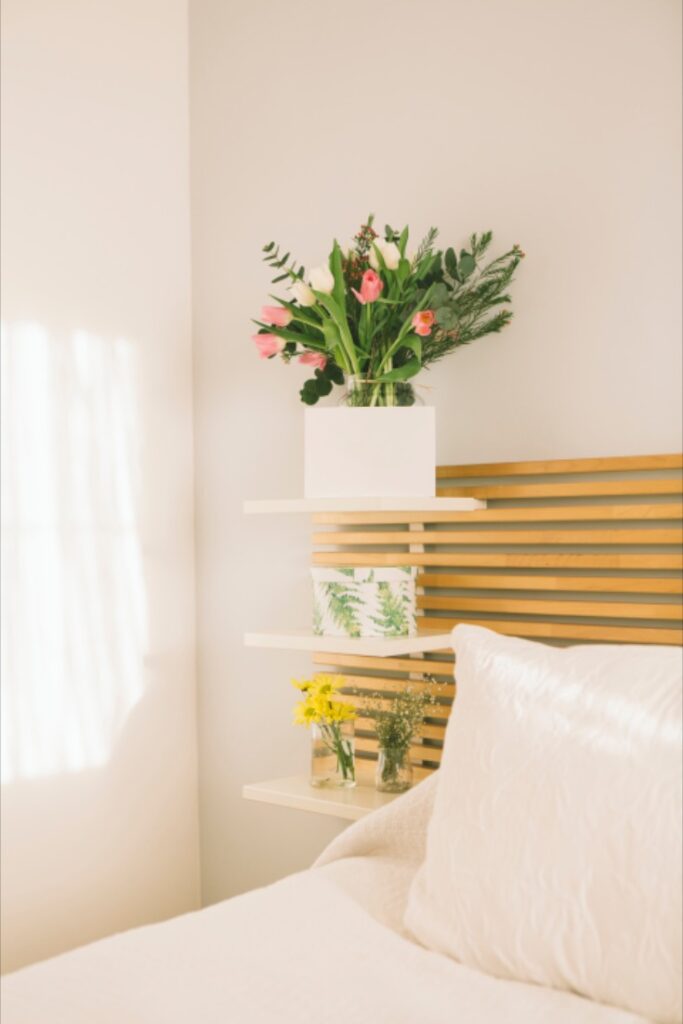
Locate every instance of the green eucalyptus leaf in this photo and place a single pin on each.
(324, 385)
(467, 264)
(451, 263)
(309, 392)
(445, 317)
(439, 295)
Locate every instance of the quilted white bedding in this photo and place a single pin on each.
(323, 946)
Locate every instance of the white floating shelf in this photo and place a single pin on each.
(305, 640)
(280, 505)
(298, 793)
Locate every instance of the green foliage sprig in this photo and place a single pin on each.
(280, 263)
(399, 718)
(465, 300)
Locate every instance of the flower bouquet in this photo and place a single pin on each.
(377, 312)
(331, 724)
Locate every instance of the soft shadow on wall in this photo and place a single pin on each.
(100, 811)
(80, 695)
(74, 614)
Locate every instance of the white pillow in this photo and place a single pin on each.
(554, 850)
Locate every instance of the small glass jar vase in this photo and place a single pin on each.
(394, 772)
(332, 754)
(367, 394)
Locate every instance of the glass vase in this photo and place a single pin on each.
(394, 772)
(367, 394)
(332, 755)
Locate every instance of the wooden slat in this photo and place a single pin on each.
(619, 463)
(566, 631)
(384, 683)
(420, 665)
(663, 510)
(584, 489)
(428, 732)
(522, 606)
(506, 538)
(360, 701)
(503, 560)
(606, 584)
(595, 520)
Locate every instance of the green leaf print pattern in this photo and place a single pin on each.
(343, 604)
(393, 606)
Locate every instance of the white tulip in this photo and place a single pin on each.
(321, 280)
(303, 294)
(390, 255)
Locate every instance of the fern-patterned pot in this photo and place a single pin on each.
(364, 602)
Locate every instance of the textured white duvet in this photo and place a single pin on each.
(324, 946)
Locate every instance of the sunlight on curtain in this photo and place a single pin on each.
(74, 616)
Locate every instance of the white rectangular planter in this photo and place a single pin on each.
(370, 453)
(364, 602)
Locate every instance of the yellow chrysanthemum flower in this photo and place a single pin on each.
(319, 705)
(304, 714)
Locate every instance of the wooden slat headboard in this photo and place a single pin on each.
(585, 550)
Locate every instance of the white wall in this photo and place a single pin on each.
(99, 798)
(554, 122)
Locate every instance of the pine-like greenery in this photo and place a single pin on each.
(467, 297)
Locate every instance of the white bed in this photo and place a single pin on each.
(329, 945)
(322, 946)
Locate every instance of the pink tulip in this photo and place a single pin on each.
(370, 287)
(278, 316)
(268, 344)
(423, 322)
(313, 359)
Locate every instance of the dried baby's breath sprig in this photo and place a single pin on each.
(399, 718)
